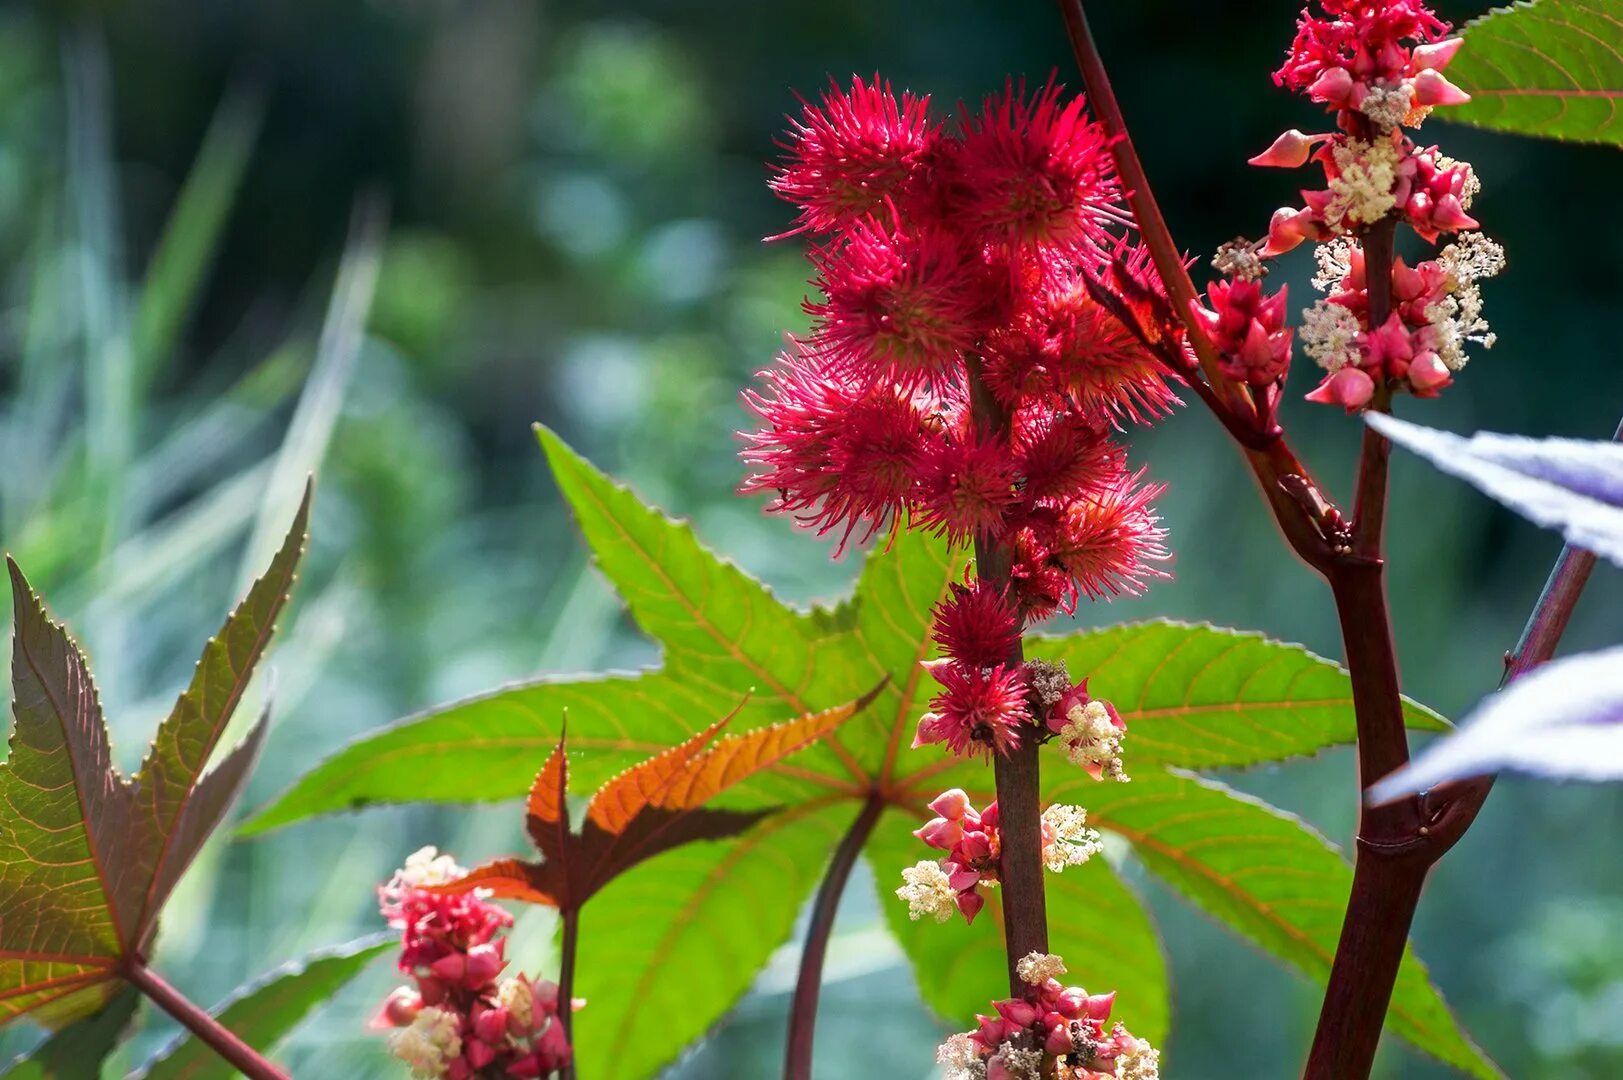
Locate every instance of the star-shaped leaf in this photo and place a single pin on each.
(648, 809)
(87, 856)
(1194, 697)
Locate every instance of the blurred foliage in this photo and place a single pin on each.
(576, 200)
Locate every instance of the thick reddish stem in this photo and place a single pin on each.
(1549, 619)
(1016, 773)
(570, 945)
(797, 1061)
(242, 1057)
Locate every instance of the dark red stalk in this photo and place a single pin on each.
(570, 917)
(797, 1060)
(1016, 773)
(1549, 619)
(1397, 843)
(242, 1057)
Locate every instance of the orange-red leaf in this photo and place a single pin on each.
(505, 879)
(546, 802)
(626, 795)
(649, 808)
(738, 757)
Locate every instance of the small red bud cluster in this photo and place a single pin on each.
(459, 1021)
(1051, 1030)
(951, 264)
(1377, 65)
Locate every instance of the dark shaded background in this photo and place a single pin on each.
(576, 196)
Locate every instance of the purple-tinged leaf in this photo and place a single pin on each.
(88, 856)
(1569, 484)
(1564, 721)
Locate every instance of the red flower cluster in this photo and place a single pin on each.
(1052, 1030)
(1377, 65)
(458, 1021)
(947, 261)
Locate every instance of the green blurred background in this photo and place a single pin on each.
(200, 303)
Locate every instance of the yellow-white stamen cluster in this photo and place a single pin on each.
(426, 866)
(1363, 191)
(960, 1058)
(927, 892)
(1091, 738)
(1329, 334)
(1143, 1062)
(1036, 968)
(1071, 842)
(1457, 317)
(429, 1044)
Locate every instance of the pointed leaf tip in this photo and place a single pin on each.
(1573, 485)
(1562, 721)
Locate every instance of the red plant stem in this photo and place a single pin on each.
(797, 1059)
(570, 918)
(1016, 773)
(242, 1057)
(1554, 608)
(1397, 843)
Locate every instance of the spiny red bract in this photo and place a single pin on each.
(852, 153)
(1035, 171)
(939, 255)
(966, 371)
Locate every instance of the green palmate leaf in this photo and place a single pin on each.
(266, 1010)
(87, 857)
(1195, 697)
(669, 947)
(1552, 68)
(1199, 696)
(78, 1050)
(1264, 874)
(1094, 922)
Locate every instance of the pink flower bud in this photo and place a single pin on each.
(528, 1067)
(491, 1024)
(970, 903)
(1349, 387)
(1099, 1006)
(544, 995)
(479, 1053)
(399, 1009)
(1019, 1013)
(1286, 230)
(1450, 216)
(1431, 87)
(1428, 374)
(553, 1046)
(1334, 87)
(1436, 55)
(484, 964)
(1289, 151)
(459, 1070)
(940, 833)
(952, 805)
(451, 968)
